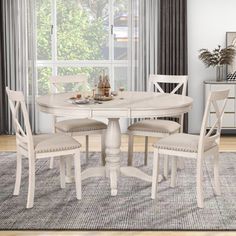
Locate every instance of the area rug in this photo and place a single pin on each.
(132, 209)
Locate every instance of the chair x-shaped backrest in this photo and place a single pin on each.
(17, 105)
(177, 81)
(216, 100)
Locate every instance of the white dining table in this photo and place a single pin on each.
(133, 105)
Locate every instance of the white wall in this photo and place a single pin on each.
(208, 22)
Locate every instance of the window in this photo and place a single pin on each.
(82, 36)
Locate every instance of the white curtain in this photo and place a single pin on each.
(20, 51)
(143, 48)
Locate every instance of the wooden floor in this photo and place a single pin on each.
(7, 143)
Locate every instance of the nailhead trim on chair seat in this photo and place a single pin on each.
(182, 142)
(80, 125)
(53, 143)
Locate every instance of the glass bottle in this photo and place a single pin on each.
(100, 86)
(107, 86)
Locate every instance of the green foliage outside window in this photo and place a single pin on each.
(80, 36)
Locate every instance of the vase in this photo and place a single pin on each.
(219, 73)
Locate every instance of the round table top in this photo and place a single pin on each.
(134, 105)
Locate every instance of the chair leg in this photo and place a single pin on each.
(68, 170)
(146, 151)
(87, 148)
(77, 175)
(18, 173)
(155, 173)
(51, 163)
(216, 174)
(31, 187)
(180, 162)
(103, 148)
(62, 172)
(130, 149)
(173, 172)
(166, 166)
(200, 202)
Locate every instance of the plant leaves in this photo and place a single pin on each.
(219, 56)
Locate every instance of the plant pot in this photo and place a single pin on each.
(219, 72)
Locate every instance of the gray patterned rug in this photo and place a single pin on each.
(131, 209)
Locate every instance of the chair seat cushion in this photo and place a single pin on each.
(183, 142)
(157, 126)
(53, 143)
(80, 125)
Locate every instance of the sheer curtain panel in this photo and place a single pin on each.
(144, 42)
(3, 108)
(18, 54)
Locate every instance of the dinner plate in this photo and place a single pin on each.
(81, 101)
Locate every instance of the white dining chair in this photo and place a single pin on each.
(196, 147)
(36, 147)
(76, 127)
(156, 127)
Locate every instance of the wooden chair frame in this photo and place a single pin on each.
(154, 80)
(213, 134)
(82, 79)
(25, 148)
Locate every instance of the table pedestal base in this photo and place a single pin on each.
(113, 170)
(93, 172)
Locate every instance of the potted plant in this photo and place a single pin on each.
(218, 58)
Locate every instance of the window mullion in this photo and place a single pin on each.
(111, 3)
(111, 46)
(131, 34)
(54, 37)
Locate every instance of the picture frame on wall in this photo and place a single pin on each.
(231, 69)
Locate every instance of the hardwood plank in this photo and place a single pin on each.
(7, 143)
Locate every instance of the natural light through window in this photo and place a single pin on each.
(82, 36)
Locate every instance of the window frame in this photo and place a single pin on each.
(110, 63)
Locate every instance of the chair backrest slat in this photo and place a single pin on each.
(19, 128)
(177, 81)
(212, 133)
(56, 82)
(176, 88)
(159, 88)
(21, 139)
(17, 105)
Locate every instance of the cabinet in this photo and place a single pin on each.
(229, 119)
